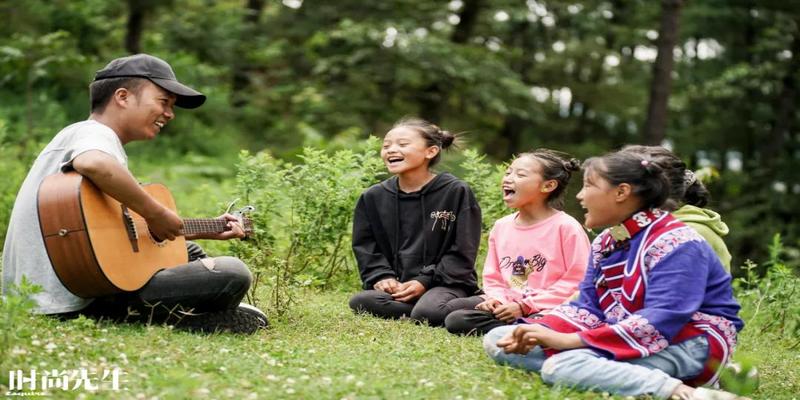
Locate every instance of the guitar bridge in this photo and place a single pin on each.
(130, 228)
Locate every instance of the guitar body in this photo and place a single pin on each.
(94, 247)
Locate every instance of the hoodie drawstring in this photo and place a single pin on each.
(424, 232)
(396, 266)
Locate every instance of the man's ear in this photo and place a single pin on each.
(623, 192)
(121, 97)
(431, 152)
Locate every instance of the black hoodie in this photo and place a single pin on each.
(431, 236)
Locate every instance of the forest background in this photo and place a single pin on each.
(295, 89)
(715, 80)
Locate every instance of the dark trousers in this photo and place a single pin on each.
(472, 321)
(432, 307)
(205, 284)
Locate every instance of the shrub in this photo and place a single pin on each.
(303, 217)
(13, 167)
(484, 178)
(15, 307)
(769, 303)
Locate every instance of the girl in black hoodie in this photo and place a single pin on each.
(416, 235)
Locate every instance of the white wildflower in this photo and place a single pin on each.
(18, 351)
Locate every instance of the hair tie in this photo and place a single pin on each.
(689, 178)
(440, 133)
(645, 163)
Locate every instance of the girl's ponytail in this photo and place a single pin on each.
(572, 165)
(448, 139)
(654, 188)
(695, 193)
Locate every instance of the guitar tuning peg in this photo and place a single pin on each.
(230, 206)
(245, 210)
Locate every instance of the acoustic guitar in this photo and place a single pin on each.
(98, 247)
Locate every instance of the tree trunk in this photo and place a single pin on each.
(467, 19)
(782, 127)
(433, 97)
(620, 12)
(749, 146)
(241, 68)
(510, 135)
(133, 36)
(656, 124)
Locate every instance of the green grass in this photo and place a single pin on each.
(778, 363)
(320, 351)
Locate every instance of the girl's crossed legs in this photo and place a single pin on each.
(433, 306)
(657, 375)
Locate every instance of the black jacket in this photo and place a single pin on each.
(431, 236)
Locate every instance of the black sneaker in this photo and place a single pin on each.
(244, 319)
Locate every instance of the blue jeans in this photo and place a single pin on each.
(658, 375)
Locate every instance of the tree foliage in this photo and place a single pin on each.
(512, 75)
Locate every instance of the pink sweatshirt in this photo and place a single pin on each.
(537, 266)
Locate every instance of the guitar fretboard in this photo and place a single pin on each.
(204, 225)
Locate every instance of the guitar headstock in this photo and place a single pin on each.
(244, 221)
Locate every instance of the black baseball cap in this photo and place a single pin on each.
(158, 72)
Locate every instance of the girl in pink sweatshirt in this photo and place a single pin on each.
(537, 255)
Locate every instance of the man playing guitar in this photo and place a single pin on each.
(132, 98)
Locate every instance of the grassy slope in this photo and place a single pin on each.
(321, 351)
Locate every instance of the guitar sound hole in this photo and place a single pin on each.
(158, 242)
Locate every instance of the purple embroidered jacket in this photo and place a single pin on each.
(662, 286)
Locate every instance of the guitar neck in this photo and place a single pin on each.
(204, 225)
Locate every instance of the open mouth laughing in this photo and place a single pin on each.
(508, 192)
(392, 160)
